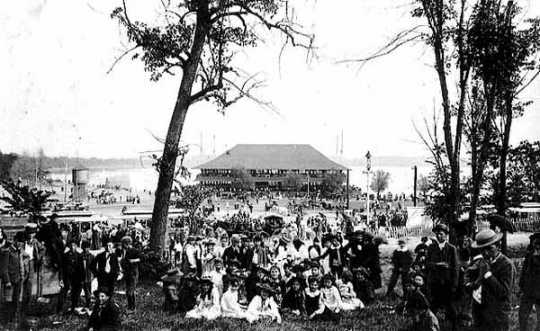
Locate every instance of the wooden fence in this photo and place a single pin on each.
(522, 224)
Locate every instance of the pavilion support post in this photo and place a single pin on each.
(347, 190)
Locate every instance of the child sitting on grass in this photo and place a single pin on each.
(315, 307)
(423, 318)
(363, 286)
(295, 299)
(263, 306)
(230, 306)
(346, 290)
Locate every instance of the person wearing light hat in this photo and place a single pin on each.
(529, 284)
(496, 276)
(442, 271)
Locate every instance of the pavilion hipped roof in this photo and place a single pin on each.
(275, 157)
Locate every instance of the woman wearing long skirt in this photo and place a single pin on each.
(230, 307)
(208, 306)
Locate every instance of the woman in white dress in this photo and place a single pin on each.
(346, 290)
(208, 306)
(230, 306)
(263, 305)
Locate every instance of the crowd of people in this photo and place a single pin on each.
(50, 261)
(254, 277)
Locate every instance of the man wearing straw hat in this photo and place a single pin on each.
(496, 275)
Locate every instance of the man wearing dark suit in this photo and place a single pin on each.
(442, 273)
(13, 270)
(529, 284)
(496, 276)
(88, 261)
(130, 266)
(106, 267)
(233, 252)
(72, 276)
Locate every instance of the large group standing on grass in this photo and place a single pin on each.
(254, 277)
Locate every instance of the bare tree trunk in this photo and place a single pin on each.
(500, 199)
(170, 151)
(478, 176)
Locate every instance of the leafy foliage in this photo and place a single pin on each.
(241, 179)
(23, 198)
(191, 197)
(333, 184)
(380, 181)
(225, 26)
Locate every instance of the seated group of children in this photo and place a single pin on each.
(313, 296)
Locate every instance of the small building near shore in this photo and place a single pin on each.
(270, 166)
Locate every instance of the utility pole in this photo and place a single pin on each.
(368, 172)
(65, 179)
(415, 168)
(341, 143)
(348, 170)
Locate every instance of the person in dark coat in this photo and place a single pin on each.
(422, 247)
(72, 275)
(402, 259)
(130, 266)
(13, 271)
(106, 267)
(105, 315)
(442, 270)
(233, 252)
(363, 286)
(49, 233)
(529, 284)
(496, 276)
(371, 260)
(88, 261)
(295, 299)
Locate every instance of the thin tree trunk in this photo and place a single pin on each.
(500, 201)
(170, 151)
(478, 176)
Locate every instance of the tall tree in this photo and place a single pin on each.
(444, 31)
(200, 38)
(380, 182)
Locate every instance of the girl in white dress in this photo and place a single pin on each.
(230, 307)
(263, 305)
(346, 290)
(208, 306)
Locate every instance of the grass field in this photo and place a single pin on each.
(149, 316)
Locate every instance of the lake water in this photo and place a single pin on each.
(139, 179)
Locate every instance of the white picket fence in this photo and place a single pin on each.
(528, 224)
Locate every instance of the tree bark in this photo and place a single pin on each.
(478, 176)
(500, 200)
(176, 125)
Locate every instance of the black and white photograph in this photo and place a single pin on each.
(256, 165)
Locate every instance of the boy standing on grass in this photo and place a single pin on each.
(402, 259)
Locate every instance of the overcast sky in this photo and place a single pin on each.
(55, 92)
